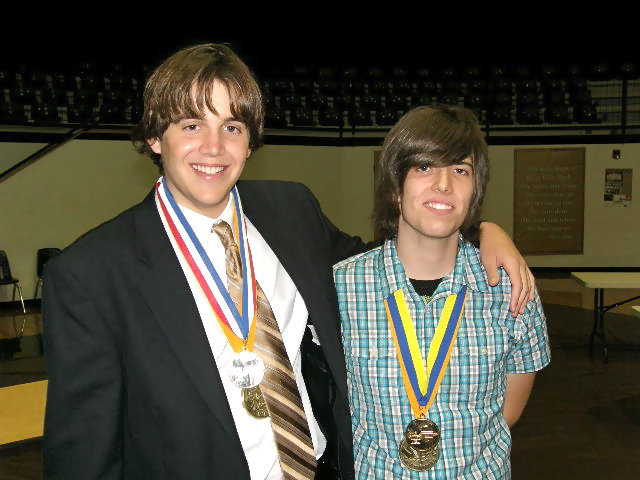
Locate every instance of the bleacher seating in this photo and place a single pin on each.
(360, 98)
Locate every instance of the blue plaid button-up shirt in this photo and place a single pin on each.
(475, 439)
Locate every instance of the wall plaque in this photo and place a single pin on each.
(549, 201)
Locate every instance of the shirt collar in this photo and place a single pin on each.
(202, 225)
(468, 271)
(391, 268)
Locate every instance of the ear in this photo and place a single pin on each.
(154, 145)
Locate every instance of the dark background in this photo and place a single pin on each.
(104, 34)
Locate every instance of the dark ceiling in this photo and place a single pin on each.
(513, 44)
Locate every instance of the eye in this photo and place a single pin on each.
(463, 170)
(424, 167)
(233, 129)
(190, 127)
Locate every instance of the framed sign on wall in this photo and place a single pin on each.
(549, 201)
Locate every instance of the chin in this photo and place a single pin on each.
(442, 234)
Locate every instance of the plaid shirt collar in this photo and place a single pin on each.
(467, 271)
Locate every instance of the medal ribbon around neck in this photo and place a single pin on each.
(243, 312)
(422, 384)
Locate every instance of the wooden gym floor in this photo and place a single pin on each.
(582, 421)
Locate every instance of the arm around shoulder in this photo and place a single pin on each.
(498, 250)
(83, 421)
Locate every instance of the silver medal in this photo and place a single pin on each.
(246, 369)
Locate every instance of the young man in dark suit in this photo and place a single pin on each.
(157, 369)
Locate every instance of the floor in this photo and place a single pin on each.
(582, 421)
(22, 461)
(583, 418)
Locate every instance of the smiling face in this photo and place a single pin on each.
(435, 200)
(204, 157)
(424, 142)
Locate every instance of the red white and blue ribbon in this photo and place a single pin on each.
(240, 331)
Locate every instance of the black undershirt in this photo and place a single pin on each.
(425, 288)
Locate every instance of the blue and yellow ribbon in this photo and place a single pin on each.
(422, 383)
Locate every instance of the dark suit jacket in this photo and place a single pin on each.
(134, 391)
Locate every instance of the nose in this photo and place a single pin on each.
(212, 143)
(442, 182)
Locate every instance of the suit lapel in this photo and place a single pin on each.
(295, 258)
(169, 296)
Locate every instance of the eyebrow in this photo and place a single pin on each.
(227, 119)
(465, 162)
(186, 118)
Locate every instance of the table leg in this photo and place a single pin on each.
(598, 323)
(601, 311)
(594, 330)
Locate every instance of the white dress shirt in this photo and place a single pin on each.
(291, 314)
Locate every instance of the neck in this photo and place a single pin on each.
(426, 258)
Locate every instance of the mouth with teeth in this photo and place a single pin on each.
(208, 169)
(439, 206)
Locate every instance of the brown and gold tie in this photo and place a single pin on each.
(279, 388)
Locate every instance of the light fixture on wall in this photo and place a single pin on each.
(616, 155)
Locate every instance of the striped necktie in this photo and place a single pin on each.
(278, 387)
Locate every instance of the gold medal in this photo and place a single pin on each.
(253, 402)
(419, 450)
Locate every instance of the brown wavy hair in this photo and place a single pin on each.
(181, 88)
(438, 136)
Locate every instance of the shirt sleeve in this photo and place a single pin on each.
(531, 350)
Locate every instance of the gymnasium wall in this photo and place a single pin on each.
(85, 182)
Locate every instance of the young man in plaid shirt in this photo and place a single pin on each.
(450, 419)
